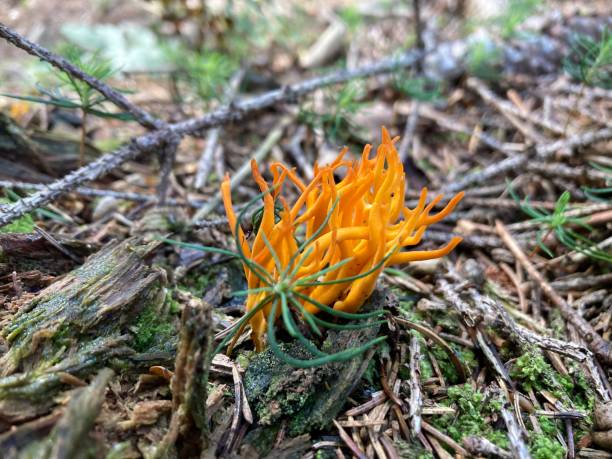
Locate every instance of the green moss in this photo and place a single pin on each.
(548, 426)
(447, 368)
(407, 307)
(151, 328)
(583, 396)
(24, 224)
(543, 447)
(473, 416)
(244, 358)
(196, 281)
(484, 60)
(426, 369)
(532, 370)
(109, 144)
(557, 324)
(499, 438)
(265, 383)
(62, 335)
(172, 305)
(325, 453)
(535, 373)
(371, 375)
(199, 280)
(352, 17)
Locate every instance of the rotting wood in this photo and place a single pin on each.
(189, 422)
(307, 399)
(75, 325)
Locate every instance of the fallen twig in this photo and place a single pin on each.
(297, 153)
(212, 138)
(416, 397)
(272, 139)
(517, 161)
(577, 140)
(444, 439)
(452, 124)
(600, 347)
(480, 446)
(506, 107)
(101, 166)
(222, 115)
(144, 118)
(99, 193)
(515, 433)
(411, 123)
(346, 438)
(493, 170)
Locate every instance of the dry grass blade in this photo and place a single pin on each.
(438, 340)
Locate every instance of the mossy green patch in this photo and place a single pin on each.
(534, 373)
(198, 281)
(544, 447)
(426, 369)
(23, 224)
(152, 329)
(244, 358)
(325, 453)
(547, 425)
(62, 335)
(172, 305)
(557, 324)
(484, 60)
(467, 357)
(266, 387)
(474, 416)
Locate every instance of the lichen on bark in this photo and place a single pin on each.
(77, 324)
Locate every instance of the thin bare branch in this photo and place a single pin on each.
(144, 118)
(100, 193)
(226, 114)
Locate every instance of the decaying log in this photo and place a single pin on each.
(68, 440)
(37, 156)
(305, 400)
(77, 324)
(22, 252)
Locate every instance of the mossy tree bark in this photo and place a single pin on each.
(75, 326)
(305, 400)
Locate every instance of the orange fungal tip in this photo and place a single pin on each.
(369, 228)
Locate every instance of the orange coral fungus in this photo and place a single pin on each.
(351, 230)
